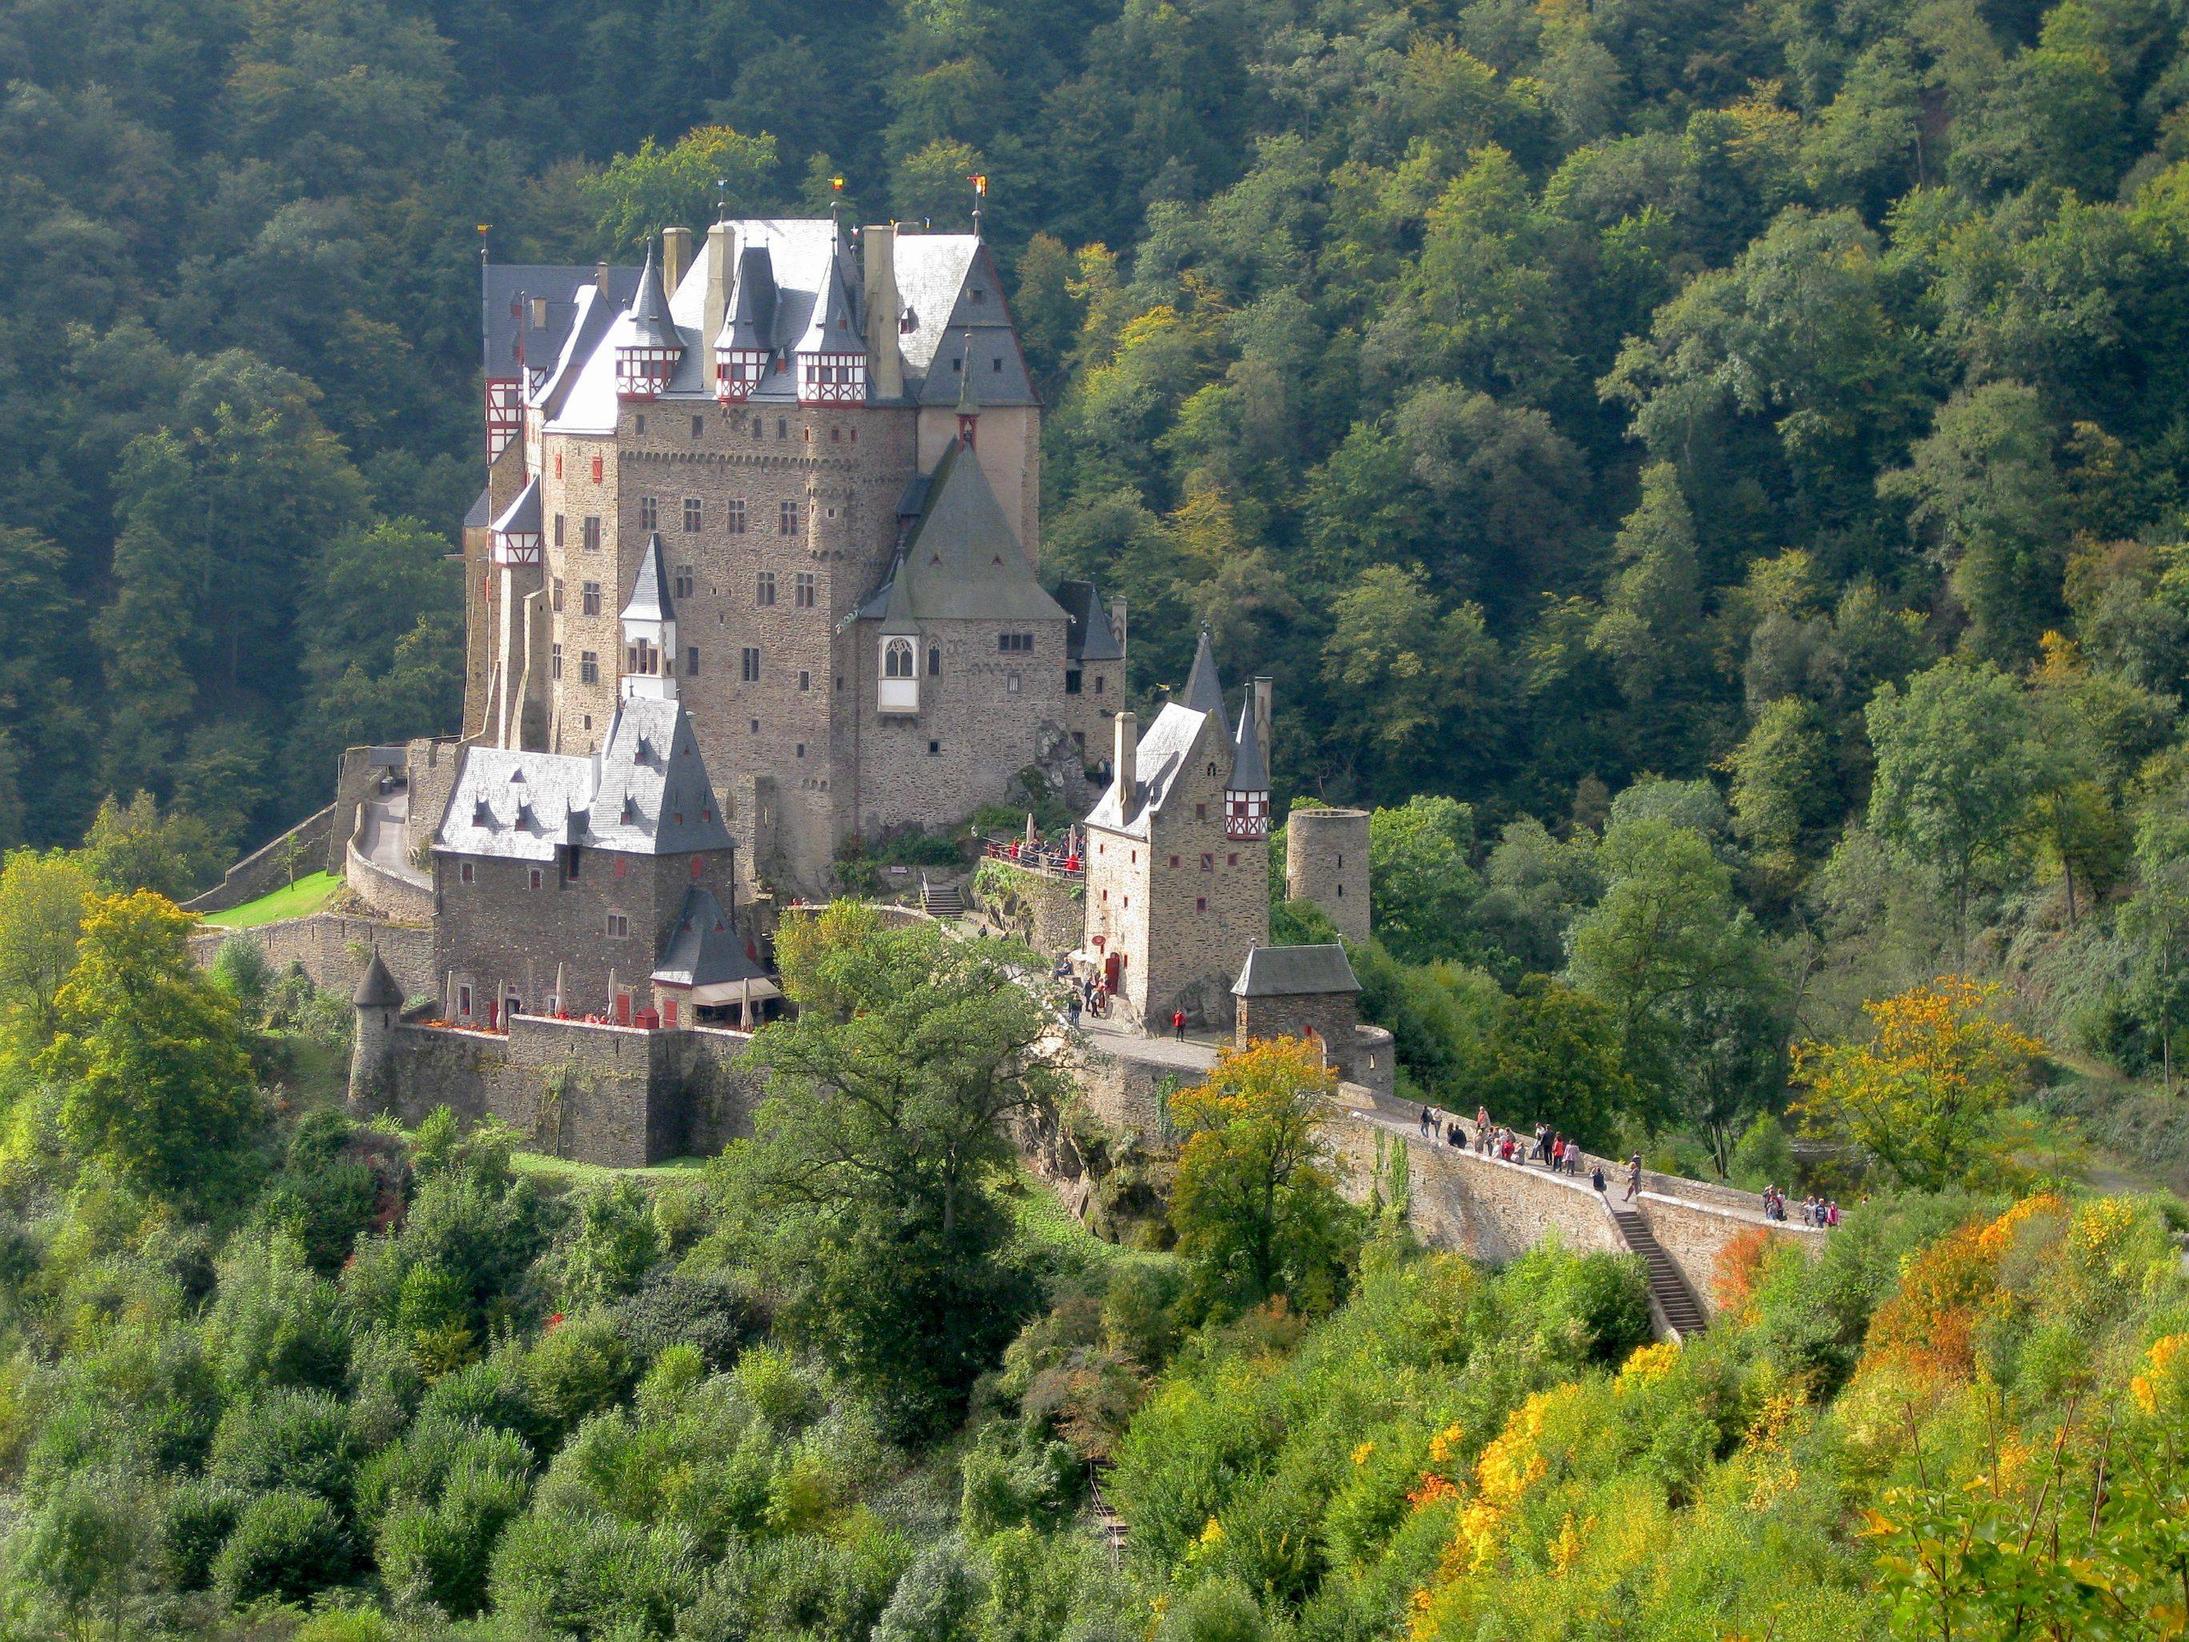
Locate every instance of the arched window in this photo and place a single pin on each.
(898, 660)
(934, 661)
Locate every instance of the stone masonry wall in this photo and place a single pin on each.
(333, 948)
(266, 868)
(1695, 1234)
(1048, 913)
(609, 1095)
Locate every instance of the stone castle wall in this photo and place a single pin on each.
(1048, 913)
(266, 868)
(1326, 862)
(333, 948)
(615, 1096)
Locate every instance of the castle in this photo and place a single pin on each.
(755, 575)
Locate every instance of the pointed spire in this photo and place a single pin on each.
(968, 395)
(650, 593)
(1204, 690)
(1249, 763)
(649, 308)
(377, 988)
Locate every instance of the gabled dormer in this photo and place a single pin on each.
(831, 356)
(516, 533)
(745, 343)
(647, 343)
(1246, 793)
(649, 634)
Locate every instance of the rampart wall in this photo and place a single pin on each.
(267, 868)
(333, 948)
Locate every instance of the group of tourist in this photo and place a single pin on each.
(1089, 996)
(1549, 1148)
(1815, 1211)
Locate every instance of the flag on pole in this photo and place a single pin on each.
(979, 180)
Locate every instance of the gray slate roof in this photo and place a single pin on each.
(705, 948)
(509, 290)
(1204, 690)
(1295, 971)
(648, 313)
(1089, 637)
(748, 319)
(645, 792)
(377, 988)
(962, 560)
(650, 599)
(478, 518)
(1160, 759)
(522, 516)
(1249, 760)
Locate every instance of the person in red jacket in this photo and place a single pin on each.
(1178, 1024)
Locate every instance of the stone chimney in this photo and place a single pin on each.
(884, 307)
(676, 256)
(601, 281)
(721, 260)
(1117, 623)
(1124, 762)
(1262, 685)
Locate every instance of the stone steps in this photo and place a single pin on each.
(1666, 1286)
(947, 902)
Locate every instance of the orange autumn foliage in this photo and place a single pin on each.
(1740, 1264)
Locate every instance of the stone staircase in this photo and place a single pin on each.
(946, 902)
(1666, 1287)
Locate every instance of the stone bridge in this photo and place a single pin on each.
(1462, 1200)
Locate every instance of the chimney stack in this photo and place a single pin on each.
(721, 259)
(1262, 685)
(601, 282)
(1117, 623)
(1126, 757)
(884, 307)
(676, 256)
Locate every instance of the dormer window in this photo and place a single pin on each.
(737, 371)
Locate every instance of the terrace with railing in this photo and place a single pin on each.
(1050, 860)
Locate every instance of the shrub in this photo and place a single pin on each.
(286, 1544)
(442, 1551)
(564, 1575)
(197, 1520)
(934, 1601)
(614, 1245)
(273, 1321)
(715, 1314)
(295, 1440)
(576, 1369)
(493, 1392)
(1220, 1612)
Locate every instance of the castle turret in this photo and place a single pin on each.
(743, 346)
(649, 630)
(646, 340)
(1246, 794)
(1326, 862)
(378, 1002)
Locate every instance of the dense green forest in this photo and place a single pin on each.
(1712, 478)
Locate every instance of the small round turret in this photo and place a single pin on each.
(378, 1002)
(1326, 862)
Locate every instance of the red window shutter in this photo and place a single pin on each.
(596, 470)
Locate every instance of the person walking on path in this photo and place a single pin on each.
(1634, 1176)
(1596, 1179)
(1072, 1009)
(1178, 1024)
(1424, 1124)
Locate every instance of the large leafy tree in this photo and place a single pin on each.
(157, 1079)
(1255, 1200)
(864, 1192)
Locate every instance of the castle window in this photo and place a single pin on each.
(835, 436)
(697, 866)
(699, 426)
(1013, 644)
(649, 513)
(691, 514)
(558, 530)
(749, 664)
(1208, 862)
(1071, 681)
(555, 597)
(466, 873)
(1341, 863)
(1174, 860)
(1098, 684)
(590, 537)
(764, 588)
(1010, 684)
(735, 508)
(558, 464)
(804, 584)
(801, 749)
(1341, 892)
(934, 661)
(619, 926)
(1232, 859)
(1200, 903)
(805, 679)
(691, 660)
(996, 364)
(754, 726)
(535, 878)
(786, 519)
(684, 583)
(623, 865)
(897, 659)
(463, 993)
(756, 427)
(596, 470)
(638, 423)
(1200, 812)
(557, 660)
(933, 748)
(782, 427)
(588, 670)
(570, 861)
(591, 595)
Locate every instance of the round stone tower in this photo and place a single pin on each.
(1326, 861)
(378, 1002)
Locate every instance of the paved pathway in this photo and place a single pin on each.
(386, 838)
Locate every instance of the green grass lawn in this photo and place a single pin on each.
(307, 894)
(569, 1172)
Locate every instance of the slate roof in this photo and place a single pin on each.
(645, 792)
(649, 310)
(377, 988)
(507, 301)
(478, 518)
(1158, 762)
(1089, 637)
(1249, 762)
(795, 280)
(522, 516)
(1295, 971)
(705, 948)
(962, 560)
(650, 599)
(1204, 690)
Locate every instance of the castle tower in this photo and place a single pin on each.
(1326, 862)
(649, 630)
(379, 1005)
(645, 339)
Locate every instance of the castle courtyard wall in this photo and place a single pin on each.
(333, 949)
